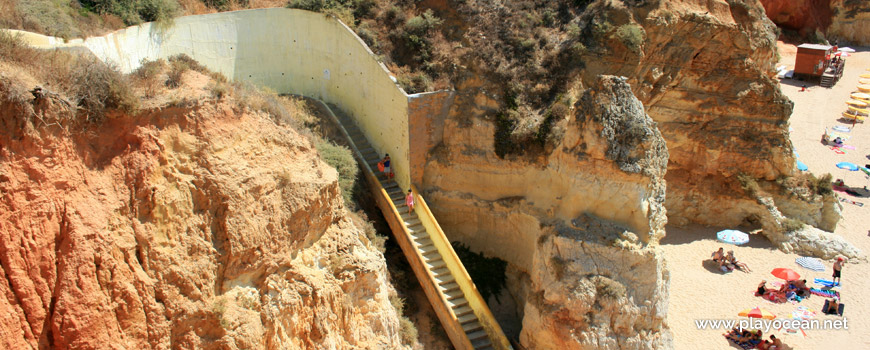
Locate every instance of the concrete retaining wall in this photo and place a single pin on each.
(287, 50)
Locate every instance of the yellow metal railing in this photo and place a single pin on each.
(475, 300)
(427, 280)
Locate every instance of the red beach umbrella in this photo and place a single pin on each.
(786, 274)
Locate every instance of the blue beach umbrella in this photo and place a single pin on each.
(801, 166)
(847, 166)
(732, 237)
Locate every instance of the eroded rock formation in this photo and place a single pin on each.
(851, 22)
(207, 227)
(847, 21)
(579, 224)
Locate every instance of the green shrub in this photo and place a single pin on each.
(608, 288)
(409, 331)
(749, 184)
(822, 185)
(134, 12)
(225, 5)
(791, 225)
(98, 87)
(342, 160)
(13, 48)
(50, 17)
(631, 35)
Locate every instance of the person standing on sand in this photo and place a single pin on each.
(838, 267)
(409, 201)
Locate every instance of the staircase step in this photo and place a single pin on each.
(428, 249)
(459, 302)
(462, 311)
(467, 318)
(441, 271)
(411, 222)
(472, 327)
(449, 289)
(432, 255)
(424, 242)
(418, 231)
(437, 264)
(477, 334)
(454, 294)
(445, 279)
(482, 344)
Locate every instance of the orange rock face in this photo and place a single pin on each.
(801, 15)
(206, 227)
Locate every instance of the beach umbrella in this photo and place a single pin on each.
(857, 103)
(784, 273)
(846, 49)
(863, 81)
(865, 76)
(801, 166)
(810, 263)
(732, 236)
(860, 96)
(757, 313)
(864, 88)
(847, 166)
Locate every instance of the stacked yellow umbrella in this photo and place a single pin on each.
(865, 76)
(857, 103)
(860, 96)
(864, 88)
(863, 81)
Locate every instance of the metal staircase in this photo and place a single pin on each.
(460, 308)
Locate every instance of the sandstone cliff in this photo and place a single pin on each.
(567, 221)
(851, 22)
(205, 226)
(847, 21)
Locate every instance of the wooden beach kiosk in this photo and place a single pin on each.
(814, 61)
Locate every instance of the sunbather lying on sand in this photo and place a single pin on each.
(733, 261)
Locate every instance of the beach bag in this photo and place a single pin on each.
(381, 166)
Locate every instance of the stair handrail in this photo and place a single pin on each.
(444, 312)
(466, 284)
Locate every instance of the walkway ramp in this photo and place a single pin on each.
(462, 311)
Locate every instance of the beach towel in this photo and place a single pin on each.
(825, 293)
(803, 313)
(837, 150)
(846, 200)
(849, 147)
(827, 283)
(839, 309)
(745, 345)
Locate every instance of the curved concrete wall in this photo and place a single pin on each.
(287, 50)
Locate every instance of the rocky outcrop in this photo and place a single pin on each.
(804, 16)
(716, 101)
(205, 227)
(851, 22)
(598, 192)
(846, 21)
(804, 239)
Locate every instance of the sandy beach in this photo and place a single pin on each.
(698, 293)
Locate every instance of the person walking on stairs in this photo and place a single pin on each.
(409, 201)
(384, 166)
